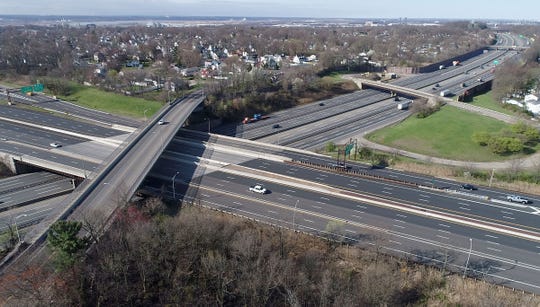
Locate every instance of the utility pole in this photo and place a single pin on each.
(491, 178)
(16, 228)
(468, 257)
(294, 214)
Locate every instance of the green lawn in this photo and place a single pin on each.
(112, 103)
(445, 134)
(487, 101)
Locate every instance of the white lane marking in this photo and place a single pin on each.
(323, 175)
(282, 199)
(226, 181)
(319, 178)
(387, 193)
(494, 249)
(388, 188)
(424, 200)
(352, 185)
(273, 212)
(395, 176)
(506, 212)
(325, 198)
(288, 195)
(354, 181)
(219, 184)
(237, 203)
(398, 226)
(359, 217)
(359, 211)
(395, 242)
(443, 237)
(508, 217)
(425, 196)
(443, 231)
(351, 231)
(291, 191)
(229, 177)
(399, 221)
(491, 236)
(444, 225)
(466, 209)
(401, 215)
(316, 207)
(309, 221)
(205, 195)
(363, 207)
(321, 202)
(463, 204)
(491, 242)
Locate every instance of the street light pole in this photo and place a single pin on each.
(16, 228)
(468, 257)
(294, 214)
(144, 112)
(173, 190)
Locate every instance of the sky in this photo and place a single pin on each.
(455, 9)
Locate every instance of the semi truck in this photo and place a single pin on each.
(256, 117)
(445, 93)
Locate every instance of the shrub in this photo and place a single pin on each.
(481, 138)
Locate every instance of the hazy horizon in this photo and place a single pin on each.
(381, 9)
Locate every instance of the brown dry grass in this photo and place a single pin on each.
(449, 172)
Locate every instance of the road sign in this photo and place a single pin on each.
(27, 89)
(38, 87)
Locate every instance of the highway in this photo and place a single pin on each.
(321, 196)
(47, 103)
(348, 115)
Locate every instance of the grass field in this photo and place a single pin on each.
(486, 101)
(445, 134)
(112, 103)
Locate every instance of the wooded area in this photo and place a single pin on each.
(207, 258)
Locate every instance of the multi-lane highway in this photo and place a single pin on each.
(220, 170)
(311, 126)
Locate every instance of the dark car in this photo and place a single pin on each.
(469, 187)
(321, 104)
(276, 126)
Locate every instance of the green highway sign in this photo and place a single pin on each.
(27, 89)
(38, 87)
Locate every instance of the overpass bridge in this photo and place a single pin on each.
(393, 89)
(98, 197)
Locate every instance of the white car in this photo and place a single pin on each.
(258, 188)
(55, 145)
(161, 122)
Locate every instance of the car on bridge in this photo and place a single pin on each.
(258, 188)
(55, 145)
(517, 199)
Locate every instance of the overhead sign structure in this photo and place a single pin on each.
(38, 87)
